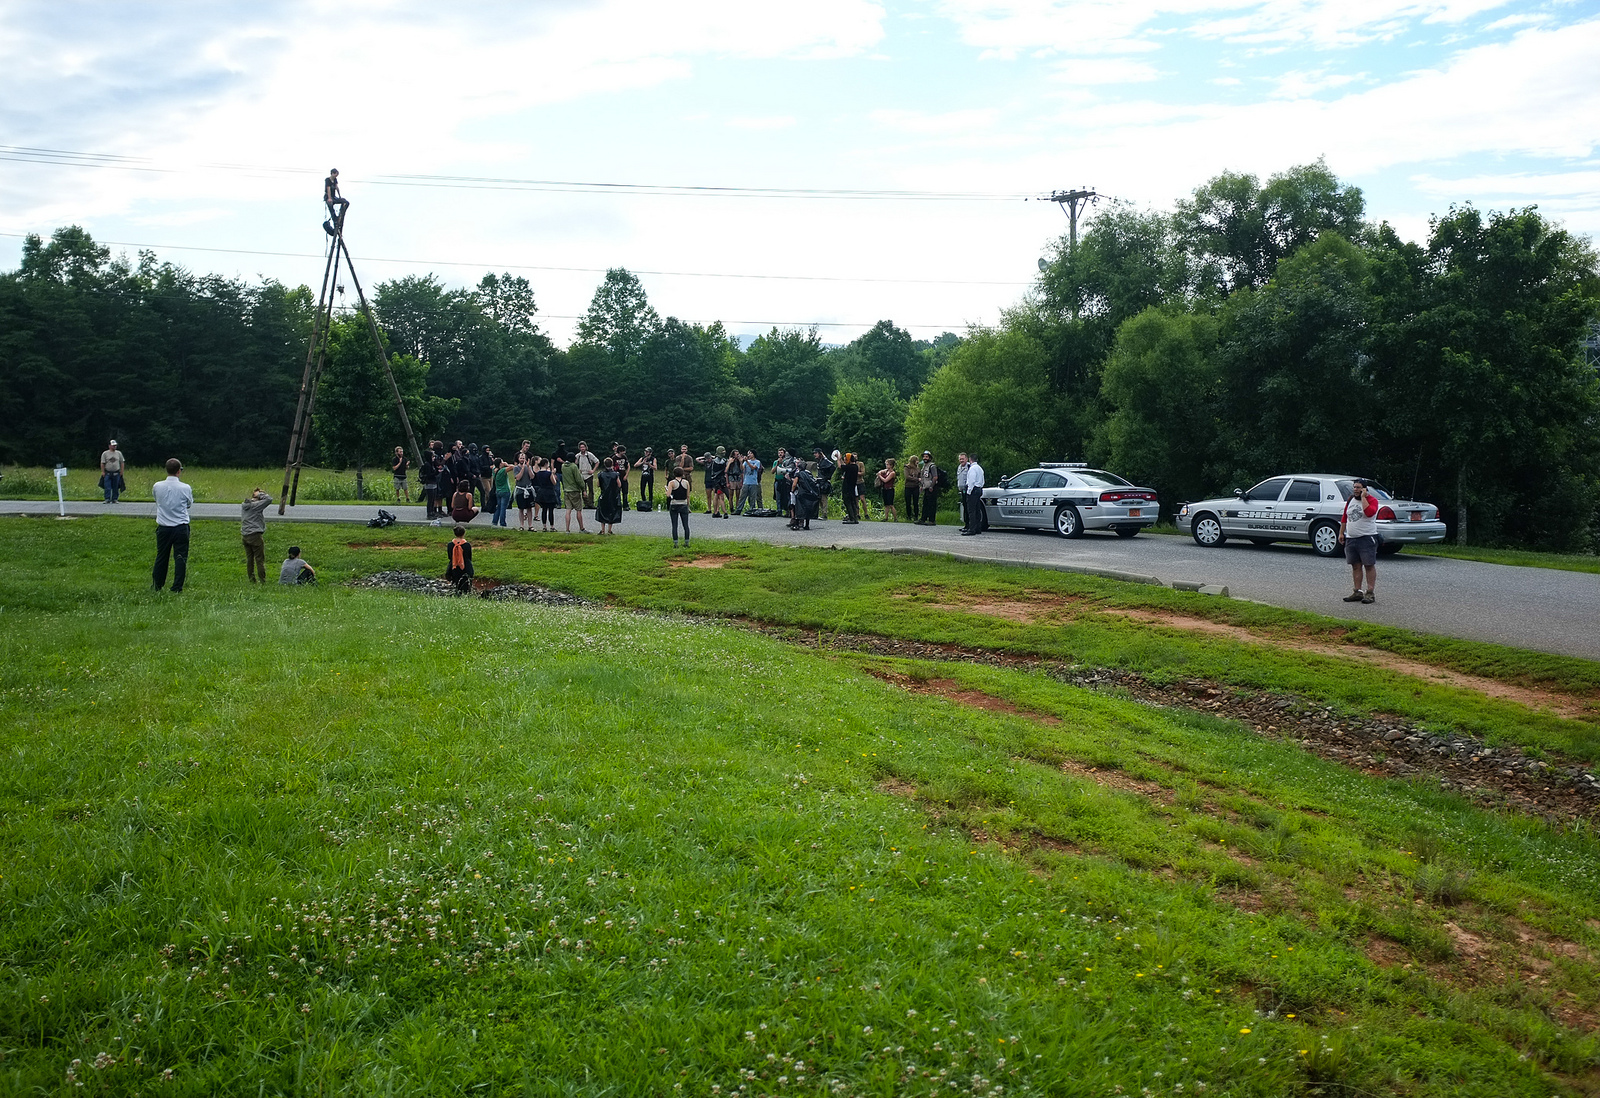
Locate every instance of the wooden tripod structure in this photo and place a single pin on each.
(317, 359)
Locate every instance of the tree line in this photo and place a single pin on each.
(171, 362)
(1256, 327)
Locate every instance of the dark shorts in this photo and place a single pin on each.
(888, 496)
(1362, 549)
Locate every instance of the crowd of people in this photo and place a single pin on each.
(459, 482)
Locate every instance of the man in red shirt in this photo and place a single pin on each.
(1358, 530)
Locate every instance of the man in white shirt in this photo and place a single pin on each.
(972, 481)
(173, 500)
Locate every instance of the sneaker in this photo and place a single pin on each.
(1369, 598)
(1354, 596)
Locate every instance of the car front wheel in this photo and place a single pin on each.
(1207, 531)
(1069, 524)
(1325, 539)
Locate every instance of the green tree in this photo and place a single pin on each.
(1238, 230)
(994, 398)
(1292, 353)
(355, 421)
(887, 352)
(867, 418)
(791, 382)
(1162, 384)
(1482, 385)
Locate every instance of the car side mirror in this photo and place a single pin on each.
(1239, 492)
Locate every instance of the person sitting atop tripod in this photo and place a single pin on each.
(330, 195)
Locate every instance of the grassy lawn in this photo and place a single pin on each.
(210, 485)
(275, 841)
(1522, 558)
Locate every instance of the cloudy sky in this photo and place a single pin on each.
(206, 128)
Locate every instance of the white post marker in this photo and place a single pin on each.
(61, 475)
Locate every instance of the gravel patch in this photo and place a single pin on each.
(482, 588)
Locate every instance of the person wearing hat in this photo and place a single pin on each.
(111, 466)
(173, 498)
(928, 482)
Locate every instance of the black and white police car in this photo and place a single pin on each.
(1069, 497)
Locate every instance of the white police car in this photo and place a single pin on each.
(1069, 498)
(1306, 507)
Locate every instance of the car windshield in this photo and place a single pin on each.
(1028, 479)
(1099, 478)
(1372, 486)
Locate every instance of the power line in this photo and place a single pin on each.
(573, 270)
(23, 154)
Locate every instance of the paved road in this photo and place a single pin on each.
(1537, 608)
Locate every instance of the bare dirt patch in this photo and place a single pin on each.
(1117, 779)
(708, 561)
(1563, 705)
(951, 690)
(1024, 609)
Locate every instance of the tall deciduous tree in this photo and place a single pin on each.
(1238, 230)
(993, 397)
(867, 418)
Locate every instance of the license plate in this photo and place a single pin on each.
(1135, 512)
(1416, 516)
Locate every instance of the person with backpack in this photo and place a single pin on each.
(647, 477)
(931, 480)
(823, 474)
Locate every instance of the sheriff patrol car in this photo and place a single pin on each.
(1069, 497)
(1306, 507)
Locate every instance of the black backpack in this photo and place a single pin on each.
(384, 519)
(942, 479)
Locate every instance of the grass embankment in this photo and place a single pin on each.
(1522, 558)
(272, 841)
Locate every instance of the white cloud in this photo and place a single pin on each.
(1102, 70)
(950, 122)
(1006, 29)
(1299, 85)
(766, 122)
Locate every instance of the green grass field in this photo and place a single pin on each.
(341, 841)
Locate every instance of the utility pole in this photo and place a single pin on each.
(1071, 202)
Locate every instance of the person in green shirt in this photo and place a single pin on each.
(502, 492)
(572, 494)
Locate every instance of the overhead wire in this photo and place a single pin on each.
(573, 270)
(70, 158)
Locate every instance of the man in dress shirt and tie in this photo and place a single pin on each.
(173, 500)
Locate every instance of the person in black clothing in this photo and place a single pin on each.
(458, 557)
(330, 195)
(647, 476)
(428, 477)
(824, 478)
(806, 493)
(849, 479)
(444, 485)
(678, 505)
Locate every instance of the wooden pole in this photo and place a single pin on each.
(302, 411)
(383, 355)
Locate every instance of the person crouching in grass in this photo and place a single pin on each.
(296, 570)
(459, 555)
